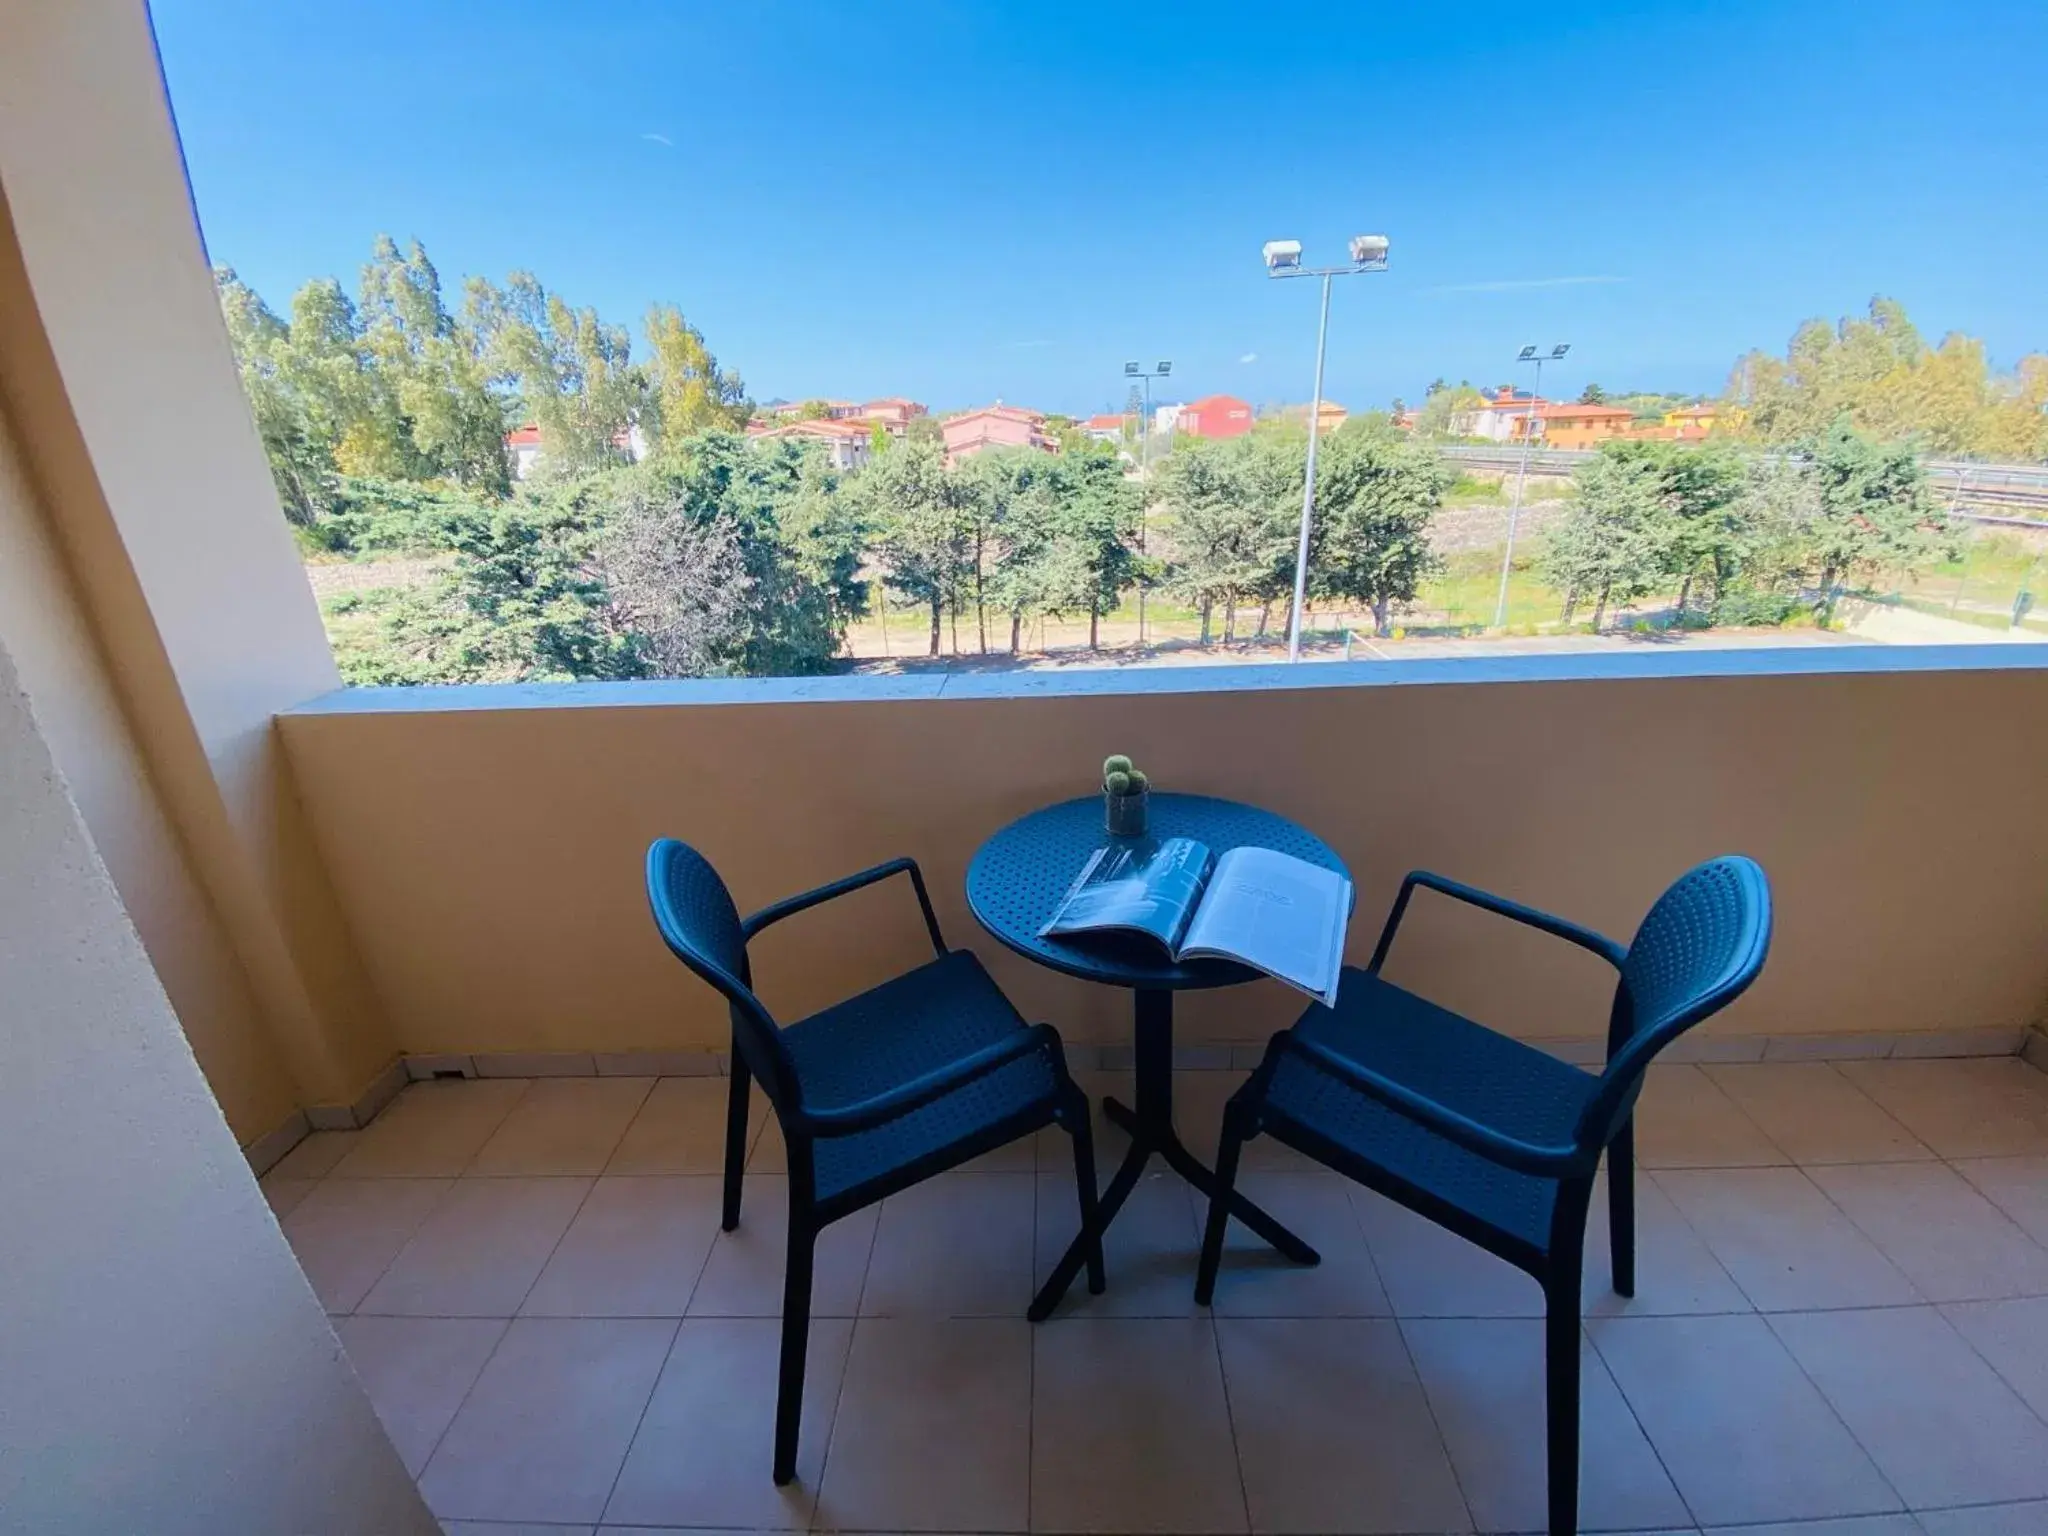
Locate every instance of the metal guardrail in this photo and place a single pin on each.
(1964, 481)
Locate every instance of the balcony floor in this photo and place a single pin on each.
(1842, 1311)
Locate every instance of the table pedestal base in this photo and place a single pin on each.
(1150, 1124)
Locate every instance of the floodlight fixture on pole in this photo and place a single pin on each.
(1283, 259)
(1528, 354)
(1132, 370)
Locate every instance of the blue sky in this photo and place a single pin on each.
(962, 201)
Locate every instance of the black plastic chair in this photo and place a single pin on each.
(874, 1094)
(1493, 1139)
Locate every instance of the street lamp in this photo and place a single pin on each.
(1283, 259)
(1158, 370)
(1528, 354)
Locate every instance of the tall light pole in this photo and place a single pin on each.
(1283, 259)
(1158, 370)
(1526, 355)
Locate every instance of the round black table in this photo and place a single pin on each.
(1016, 880)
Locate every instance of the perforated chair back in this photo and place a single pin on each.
(697, 919)
(1698, 950)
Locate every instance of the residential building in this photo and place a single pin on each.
(1108, 429)
(847, 443)
(523, 444)
(1329, 417)
(1216, 416)
(1690, 423)
(1559, 425)
(995, 426)
(894, 412)
(1166, 418)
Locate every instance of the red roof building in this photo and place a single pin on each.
(1216, 416)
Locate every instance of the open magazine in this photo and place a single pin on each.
(1268, 910)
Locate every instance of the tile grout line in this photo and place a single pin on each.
(1970, 1343)
(1244, 1489)
(639, 1423)
(1829, 1403)
(435, 1450)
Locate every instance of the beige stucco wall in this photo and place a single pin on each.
(59, 659)
(149, 495)
(167, 1367)
(488, 843)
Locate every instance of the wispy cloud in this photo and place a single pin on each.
(1027, 346)
(659, 138)
(1249, 357)
(1519, 284)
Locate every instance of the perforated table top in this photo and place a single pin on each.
(1019, 875)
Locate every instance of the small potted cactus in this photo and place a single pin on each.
(1124, 794)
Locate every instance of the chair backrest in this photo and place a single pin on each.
(698, 921)
(1699, 948)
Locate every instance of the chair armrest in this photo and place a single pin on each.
(846, 1119)
(1613, 953)
(790, 906)
(1495, 1146)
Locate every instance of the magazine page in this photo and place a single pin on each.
(1277, 914)
(1149, 886)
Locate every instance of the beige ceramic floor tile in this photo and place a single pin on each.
(285, 1194)
(563, 1125)
(1198, 1101)
(347, 1232)
(1948, 1240)
(2016, 1185)
(481, 1250)
(417, 1371)
(1676, 1273)
(1933, 1416)
(933, 1431)
(432, 1129)
(1743, 1433)
(1257, 1281)
(1987, 1520)
(1985, 1107)
(743, 1275)
(707, 1445)
(1785, 1243)
(1130, 1429)
(635, 1249)
(527, 1528)
(1485, 1379)
(2012, 1336)
(546, 1427)
(1684, 1120)
(1856, 1525)
(1815, 1114)
(681, 1128)
(959, 1245)
(1429, 1272)
(1149, 1252)
(1333, 1429)
(316, 1155)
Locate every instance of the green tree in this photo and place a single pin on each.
(1870, 511)
(301, 462)
(1443, 409)
(915, 504)
(1231, 540)
(690, 393)
(1613, 541)
(1375, 499)
(1592, 394)
(574, 373)
(1097, 521)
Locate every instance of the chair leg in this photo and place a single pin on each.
(1561, 1375)
(796, 1334)
(1219, 1203)
(1083, 1133)
(736, 1105)
(1621, 1209)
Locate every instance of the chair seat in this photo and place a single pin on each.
(1463, 1066)
(895, 1033)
